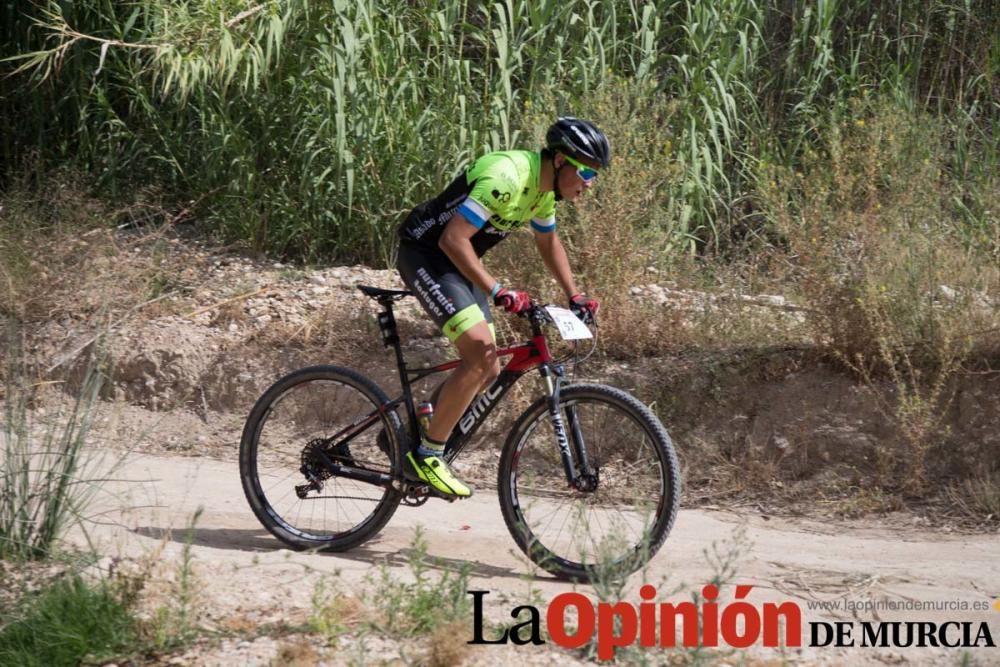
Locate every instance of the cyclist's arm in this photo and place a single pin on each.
(554, 256)
(456, 243)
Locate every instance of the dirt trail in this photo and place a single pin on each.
(243, 570)
(189, 363)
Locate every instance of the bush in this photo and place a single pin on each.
(896, 285)
(66, 622)
(306, 129)
(877, 250)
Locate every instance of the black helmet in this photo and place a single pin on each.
(579, 139)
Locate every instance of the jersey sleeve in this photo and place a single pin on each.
(491, 193)
(474, 212)
(545, 218)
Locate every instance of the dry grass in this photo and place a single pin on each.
(165, 594)
(448, 645)
(297, 653)
(339, 615)
(895, 290)
(873, 244)
(977, 497)
(60, 258)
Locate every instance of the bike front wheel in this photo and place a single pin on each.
(306, 421)
(618, 513)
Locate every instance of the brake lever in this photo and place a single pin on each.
(585, 316)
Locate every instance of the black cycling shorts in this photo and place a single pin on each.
(451, 300)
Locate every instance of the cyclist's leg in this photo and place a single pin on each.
(484, 305)
(483, 302)
(478, 354)
(449, 299)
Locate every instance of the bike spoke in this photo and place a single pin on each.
(309, 423)
(607, 520)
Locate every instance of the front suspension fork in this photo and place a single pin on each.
(571, 445)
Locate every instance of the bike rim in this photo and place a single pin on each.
(306, 413)
(611, 528)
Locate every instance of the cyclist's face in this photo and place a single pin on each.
(570, 184)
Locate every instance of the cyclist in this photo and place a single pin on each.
(441, 245)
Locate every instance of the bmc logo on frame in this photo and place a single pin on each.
(572, 621)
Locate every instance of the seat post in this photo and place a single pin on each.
(390, 337)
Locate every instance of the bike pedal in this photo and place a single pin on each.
(421, 489)
(434, 493)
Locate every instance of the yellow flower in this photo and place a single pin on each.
(527, 104)
(860, 122)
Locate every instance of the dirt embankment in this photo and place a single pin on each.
(776, 425)
(764, 435)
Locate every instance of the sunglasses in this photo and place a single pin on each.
(585, 173)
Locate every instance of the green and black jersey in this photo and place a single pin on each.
(497, 194)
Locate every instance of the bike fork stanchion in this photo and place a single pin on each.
(576, 436)
(552, 386)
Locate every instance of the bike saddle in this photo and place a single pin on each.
(379, 294)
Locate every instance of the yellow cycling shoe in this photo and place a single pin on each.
(434, 471)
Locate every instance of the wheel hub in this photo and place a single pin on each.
(312, 464)
(587, 482)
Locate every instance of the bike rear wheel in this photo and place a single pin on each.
(307, 418)
(620, 515)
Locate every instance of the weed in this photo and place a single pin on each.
(335, 614)
(428, 606)
(165, 596)
(895, 290)
(428, 602)
(868, 500)
(723, 558)
(448, 645)
(299, 653)
(45, 469)
(978, 497)
(67, 622)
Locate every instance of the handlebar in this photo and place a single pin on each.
(538, 315)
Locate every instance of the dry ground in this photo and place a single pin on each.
(193, 348)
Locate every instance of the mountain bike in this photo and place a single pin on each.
(588, 477)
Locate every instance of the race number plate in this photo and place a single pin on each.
(570, 326)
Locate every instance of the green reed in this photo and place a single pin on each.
(307, 129)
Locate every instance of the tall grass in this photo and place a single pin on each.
(42, 459)
(307, 128)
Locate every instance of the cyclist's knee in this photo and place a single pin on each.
(490, 372)
(479, 355)
(483, 362)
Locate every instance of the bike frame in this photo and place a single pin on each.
(531, 355)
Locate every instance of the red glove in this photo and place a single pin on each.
(584, 307)
(513, 301)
